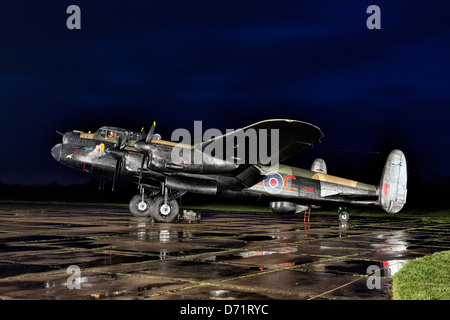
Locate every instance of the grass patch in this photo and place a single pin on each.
(425, 278)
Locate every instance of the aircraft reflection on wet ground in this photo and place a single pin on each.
(226, 256)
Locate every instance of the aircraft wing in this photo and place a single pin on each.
(249, 145)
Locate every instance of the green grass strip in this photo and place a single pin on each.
(425, 278)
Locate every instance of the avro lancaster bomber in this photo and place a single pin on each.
(165, 170)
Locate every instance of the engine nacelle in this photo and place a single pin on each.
(285, 207)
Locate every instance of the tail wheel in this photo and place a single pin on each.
(162, 212)
(343, 216)
(139, 208)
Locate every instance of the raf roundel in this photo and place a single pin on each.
(273, 183)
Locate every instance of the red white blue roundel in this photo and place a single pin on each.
(273, 183)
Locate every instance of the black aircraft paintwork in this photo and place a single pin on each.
(146, 160)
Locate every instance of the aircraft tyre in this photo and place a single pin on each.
(343, 216)
(161, 212)
(139, 208)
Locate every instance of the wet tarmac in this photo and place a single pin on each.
(102, 252)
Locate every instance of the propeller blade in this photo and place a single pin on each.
(123, 142)
(150, 134)
(144, 134)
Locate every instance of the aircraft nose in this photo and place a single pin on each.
(56, 152)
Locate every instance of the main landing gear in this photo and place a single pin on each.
(343, 215)
(161, 207)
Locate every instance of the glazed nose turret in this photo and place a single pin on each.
(56, 152)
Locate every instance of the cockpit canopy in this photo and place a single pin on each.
(113, 133)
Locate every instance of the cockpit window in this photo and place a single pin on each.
(113, 133)
(102, 132)
(122, 133)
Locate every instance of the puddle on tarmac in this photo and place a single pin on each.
(131, 257)
(351, 267)
(47, 243)
(364, 267)
(15, 248)
(201, 270)
(170, 235)
(10, 270)
(50, 241)
(141, 291)
(114, 259)
(258, 238)
(61, 225)
(389, 268)
(36, 238)
(221, 294)
(275, 258)
(174, 235)
(164, 236)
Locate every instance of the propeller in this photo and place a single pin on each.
(143, 145)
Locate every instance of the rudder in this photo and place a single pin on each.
(393, 185)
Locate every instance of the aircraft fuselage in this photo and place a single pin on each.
(164, 172)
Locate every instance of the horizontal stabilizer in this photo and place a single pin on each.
(393, 186)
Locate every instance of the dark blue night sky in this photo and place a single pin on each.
(228, 63)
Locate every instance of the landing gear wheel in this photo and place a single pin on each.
(139, 208)
(343, 216)
(161, 212)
